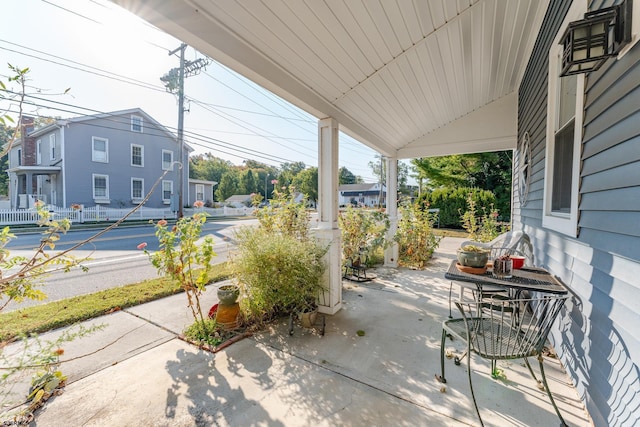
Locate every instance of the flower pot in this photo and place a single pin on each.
(308, 318)
(228, 294)
(475, 259)
(518, 261)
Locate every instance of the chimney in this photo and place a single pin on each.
(28, 143)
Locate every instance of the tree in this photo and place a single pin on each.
(347, 177)
(379, 169)
(228, 186)
(288, 172)
(307, 183)
(488, 171)
(208, 167)
(247, 183)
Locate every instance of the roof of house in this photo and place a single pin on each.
(238, 198)
(357, 187)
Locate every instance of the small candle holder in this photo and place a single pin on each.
(502, 268)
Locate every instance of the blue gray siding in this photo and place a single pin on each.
(117, 129)
(598, 337)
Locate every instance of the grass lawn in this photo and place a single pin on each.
(65, 312)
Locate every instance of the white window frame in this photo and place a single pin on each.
(135, 125)
(137, 198)
(141, 147)
(102, 198)
(39, 152)
(19, 156)
(167, 166)
(52, 146)
(566, 223)
(200, 192)
(95, 158)
(169, 184)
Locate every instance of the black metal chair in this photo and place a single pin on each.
(502, 329)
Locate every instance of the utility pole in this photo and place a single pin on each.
(174, 82)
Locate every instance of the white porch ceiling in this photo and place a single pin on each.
(408, 78)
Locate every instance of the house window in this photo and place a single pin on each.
(137, 190)
(101, 188)
(38, 152)
(137, 155)
(52, 146)
(100, 149)
(19, 156)
(564, 139)
(136, 124)
(167, 160)
(167, 191)
(200, 192)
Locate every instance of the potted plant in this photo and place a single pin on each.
(228, 294)
(473, 256)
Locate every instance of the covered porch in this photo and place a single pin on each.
(385, 377)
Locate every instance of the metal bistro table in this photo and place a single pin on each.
(525, 278)
(496, 326)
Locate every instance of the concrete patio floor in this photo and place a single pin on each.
(149, 377)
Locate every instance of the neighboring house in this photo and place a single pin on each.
(362, 194)
(110, 159)
(200, 191)
(577, 194)
(239, 200)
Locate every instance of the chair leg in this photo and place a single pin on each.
(450, 290)
(473, 396)
(546, 387)
(535, 378)
(441, 378)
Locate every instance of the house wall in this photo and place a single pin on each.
(117, 129)
(597, 337)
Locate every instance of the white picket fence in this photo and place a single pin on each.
(101, 213)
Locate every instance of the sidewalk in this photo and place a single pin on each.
(147, 376)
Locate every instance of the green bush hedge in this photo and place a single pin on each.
(452, 203)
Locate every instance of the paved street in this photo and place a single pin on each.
(114, 258)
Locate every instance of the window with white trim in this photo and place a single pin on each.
(167, 191)
(564, 138)
(200, 192)
(136, 124)
(137, 190)
(52, 146)
(19, 156)
(167, 160)
(100, 188)
(38, 152)
(99, 149)
(137, 155)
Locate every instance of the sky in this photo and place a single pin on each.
(111, 60)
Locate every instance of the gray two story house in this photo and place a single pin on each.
(110, 159)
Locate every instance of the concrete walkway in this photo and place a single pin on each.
(146, 376)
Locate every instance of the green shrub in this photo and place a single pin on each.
(482, 228)
(415, 236)
(277, 273)
(363, 231)
(452, 202)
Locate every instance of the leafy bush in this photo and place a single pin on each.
(363, 231)
(284, 215)
(453, 201)
(415, 236)
(482, 228)
(277, 265)
(277, 273)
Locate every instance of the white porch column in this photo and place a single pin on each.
(391, 253)
(328, 232)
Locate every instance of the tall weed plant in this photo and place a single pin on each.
(415, 237)
(278, 265)
(363, 232)
(484, 227)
